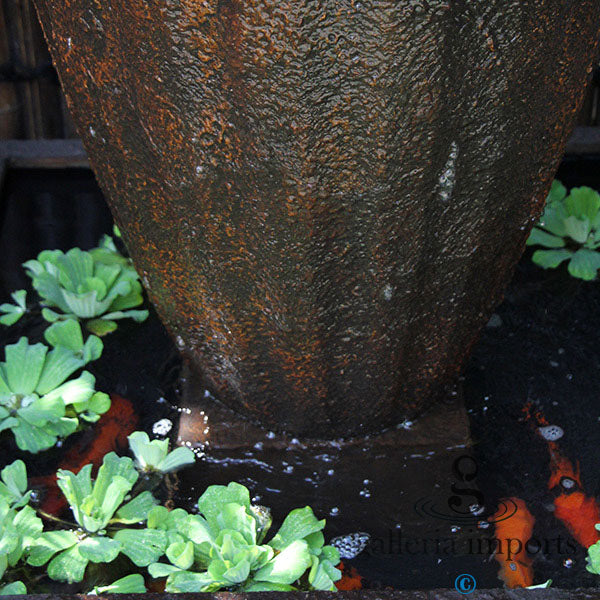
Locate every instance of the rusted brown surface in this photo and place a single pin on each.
(325, 199)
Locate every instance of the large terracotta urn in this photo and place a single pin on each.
(324, 198)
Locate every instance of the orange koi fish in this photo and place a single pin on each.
(351, 579)
(109, 433)
(578, 512)
(513, 534)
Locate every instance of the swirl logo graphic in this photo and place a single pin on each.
(434, 507)
(465, 584)
(466, 504)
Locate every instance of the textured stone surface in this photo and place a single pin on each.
(325, 198)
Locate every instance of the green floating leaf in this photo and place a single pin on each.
(550, 259)
(48, 544)
(539, 237)
(181, 554)
(16, 588)
(68, 566)
(137, 509)
(13, 312)
(287, 566)
(14, 484)
(101, 327)
(557, 193)
(583, 203)
(142, 546)
(99, 549)
(584, 264)
(215, 497)
(299, 524)
(155, 456)
(578, 228)
(131, 584)
(191, 583)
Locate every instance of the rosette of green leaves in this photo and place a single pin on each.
(13, 312)
(222, 548)
(154, 456)
(100, 286)
(569, 229)
(38, 402)
(99, 506)
(19, 524)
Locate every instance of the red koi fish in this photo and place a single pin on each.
(351, 579)
(578, 512)
(513, 533)
(109, 434)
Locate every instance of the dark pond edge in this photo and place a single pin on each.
(497, 594)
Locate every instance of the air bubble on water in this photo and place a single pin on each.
(270, 435)
(483, 525)
(455, 529)
(568, 563)
(334, 511)
(365, 493)
(476, 509)
(568, 483)
(69, 43)
(162, 427)
(551, 432)
(180, 343)
(289, 469)
(330, 472)
(258, 446)
(92, 132)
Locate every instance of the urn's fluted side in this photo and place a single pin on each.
(325, 198)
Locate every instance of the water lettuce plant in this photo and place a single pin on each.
(569, 230)
(99, 286)
(154, 456)
(38, 401)
(223, 547)
(13, 312)
(97, 505)
(19, 524)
